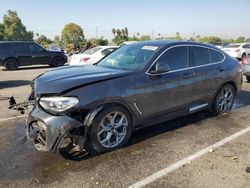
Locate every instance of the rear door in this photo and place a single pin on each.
(209, 71)
(22, 54)
(171, 91)
(39, 54)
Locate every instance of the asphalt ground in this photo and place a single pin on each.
(149, 151)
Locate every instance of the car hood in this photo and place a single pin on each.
(65, 79)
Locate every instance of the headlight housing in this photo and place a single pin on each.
(58, 104)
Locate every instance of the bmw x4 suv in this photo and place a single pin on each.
(14, 54)
(137, 85)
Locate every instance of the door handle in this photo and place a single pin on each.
(187, 75)
(220, 69)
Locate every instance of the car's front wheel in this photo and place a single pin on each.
(110, 129)
(224, 99)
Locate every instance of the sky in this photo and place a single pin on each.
(223, 18)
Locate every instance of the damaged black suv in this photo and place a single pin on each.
(135, 86)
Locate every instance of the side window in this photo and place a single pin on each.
(245, 46)
(34, 48)
(19, 47)
(107, 51)
(176, 58)
(201, 56)
(4, 47)
(216, 56)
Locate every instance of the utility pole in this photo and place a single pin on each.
(153, 34)
(96, 32)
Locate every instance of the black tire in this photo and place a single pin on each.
(243, 57)
(94, 142)
(220, 100)
(248, 78)
(57, 62)
(11, 64)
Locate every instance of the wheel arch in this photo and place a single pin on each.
(8, 58)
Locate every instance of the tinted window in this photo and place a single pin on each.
(201, 56)
(216, 56)
(19, 47)
(4, 47)
(246, 46)
(176, 58)
(34, 48)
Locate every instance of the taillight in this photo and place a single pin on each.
(84, 59)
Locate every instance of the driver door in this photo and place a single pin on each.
(39, 54)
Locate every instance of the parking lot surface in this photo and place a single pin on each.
(149, 150)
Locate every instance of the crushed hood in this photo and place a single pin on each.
(65, 79)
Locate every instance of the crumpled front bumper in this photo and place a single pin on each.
(48, 131)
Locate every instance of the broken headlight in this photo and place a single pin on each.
(58, 104)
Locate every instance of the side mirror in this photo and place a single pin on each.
(160, 67)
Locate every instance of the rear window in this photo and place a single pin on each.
(216, 56)
(4, 47)
(201, 56)
(92, 50)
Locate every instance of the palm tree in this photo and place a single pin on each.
(113, 31)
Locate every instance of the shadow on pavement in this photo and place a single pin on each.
(13, 83)
(152, 131)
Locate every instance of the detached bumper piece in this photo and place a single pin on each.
(23, 107)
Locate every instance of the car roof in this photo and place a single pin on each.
(163, 43)
(16, 41)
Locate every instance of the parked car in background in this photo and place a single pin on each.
(19, 53)
(246, 67)
(238, 51)
(135, 86)
(220, 45)
(92, 55)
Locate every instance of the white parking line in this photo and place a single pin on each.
(11, 118)
(186, 160)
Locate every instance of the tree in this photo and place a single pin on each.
(114, 31)
(210, 39)
(240, 39)
(145, 37)
(73, 34)
(120, 35)
(13, 29)
(44, 41)
(57, 41)
(1, 31)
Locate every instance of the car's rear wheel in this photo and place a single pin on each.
(110, 130)
(11, 64)
(248, 78)
(57, 62)
(224, 99)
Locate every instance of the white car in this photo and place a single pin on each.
(238, 51)
(92, 55)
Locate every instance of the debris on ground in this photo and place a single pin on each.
(211, 150)
(248, 169)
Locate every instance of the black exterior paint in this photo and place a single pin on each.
(150, 99)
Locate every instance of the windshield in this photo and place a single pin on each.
(129, 57)
(92, 50)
